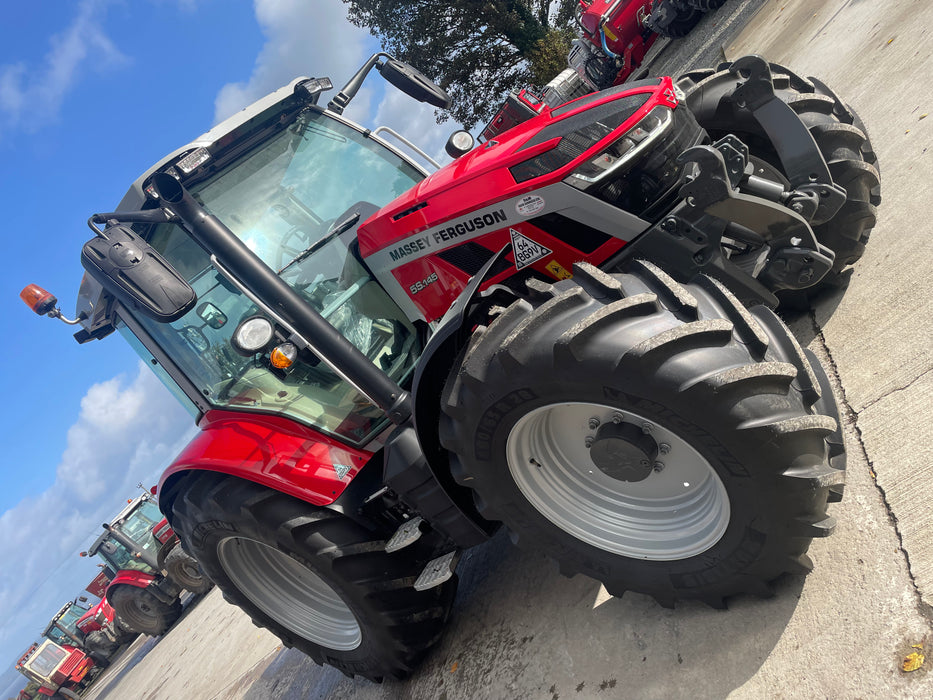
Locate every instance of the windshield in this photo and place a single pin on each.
(119, 557)
(139, 524)
(69, 621)
(46, 660)
(281, 199)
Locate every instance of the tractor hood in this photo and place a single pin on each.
(538, 152)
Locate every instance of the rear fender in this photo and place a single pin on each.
(128, 577)
(269, 450)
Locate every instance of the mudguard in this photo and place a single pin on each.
(270, 450)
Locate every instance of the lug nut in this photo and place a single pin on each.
(658, 466)
(646, 428)
(594, 423)
(664, 448)
(588, 442)
(617, 418)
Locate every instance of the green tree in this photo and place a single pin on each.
(477, 50)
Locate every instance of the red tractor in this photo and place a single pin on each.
(97, 631)
(60, 671)
(612, 39)
(568, 330)
(148, 571)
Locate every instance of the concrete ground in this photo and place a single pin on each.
(519, 630)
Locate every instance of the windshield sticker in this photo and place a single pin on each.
(526, 250)
(529, 205)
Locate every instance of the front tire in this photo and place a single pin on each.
(312, 576)
(655, 436)
(142, 611)
(841, 138)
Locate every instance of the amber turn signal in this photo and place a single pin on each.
(283, 356)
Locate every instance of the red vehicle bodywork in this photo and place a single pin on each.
(274, 451)
(622, 26)
(465, 185)
(98, 617)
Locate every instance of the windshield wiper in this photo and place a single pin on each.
(335, 230)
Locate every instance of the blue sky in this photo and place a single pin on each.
(92, 92)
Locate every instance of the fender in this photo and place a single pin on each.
(271, 450)
(130, 577)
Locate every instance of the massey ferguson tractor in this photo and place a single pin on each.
(148, 571)
(567, 331)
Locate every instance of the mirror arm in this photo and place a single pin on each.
(145, 216)
(348, 92)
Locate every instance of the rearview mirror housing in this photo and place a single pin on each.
(137, 275)
(413, 83)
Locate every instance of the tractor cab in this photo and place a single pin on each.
(129, 541)
(63, 628)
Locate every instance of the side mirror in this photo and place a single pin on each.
(133, 272)
(413, 83)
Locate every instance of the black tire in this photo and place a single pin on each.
(841, 138)
(693, 367)
(255, 543)
(99, 646)
(68, 694)
(685, 20)
(706, 5)
(186, 572)
(141, 611)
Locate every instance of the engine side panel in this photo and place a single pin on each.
(426, 245)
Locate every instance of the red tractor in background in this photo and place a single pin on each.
(60, 671)
(568, 331)
(147, 568)
(612, 39)
(97, 631)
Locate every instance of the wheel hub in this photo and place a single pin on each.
(624, 452)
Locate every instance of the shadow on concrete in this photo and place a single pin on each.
(520, 630)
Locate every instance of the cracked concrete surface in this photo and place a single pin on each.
(880, 332)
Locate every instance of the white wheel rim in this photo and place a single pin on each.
(290, 593)
(677, 512)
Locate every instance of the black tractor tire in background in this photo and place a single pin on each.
(706, 5)
(142, 611)
(841, 138)
(685, 20)
(99, 646)
(186, 572)
(68, 694)
(315, 578)
(657, 437)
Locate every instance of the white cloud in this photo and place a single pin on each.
(302, 38)
(128, 430)
(31, 97)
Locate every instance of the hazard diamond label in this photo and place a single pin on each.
(526, 250)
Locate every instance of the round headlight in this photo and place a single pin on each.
(252, 335)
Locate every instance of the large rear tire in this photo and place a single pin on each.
(841, 138)
(142, 612)
(655, 436)
(312, 576)
(99, 646)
